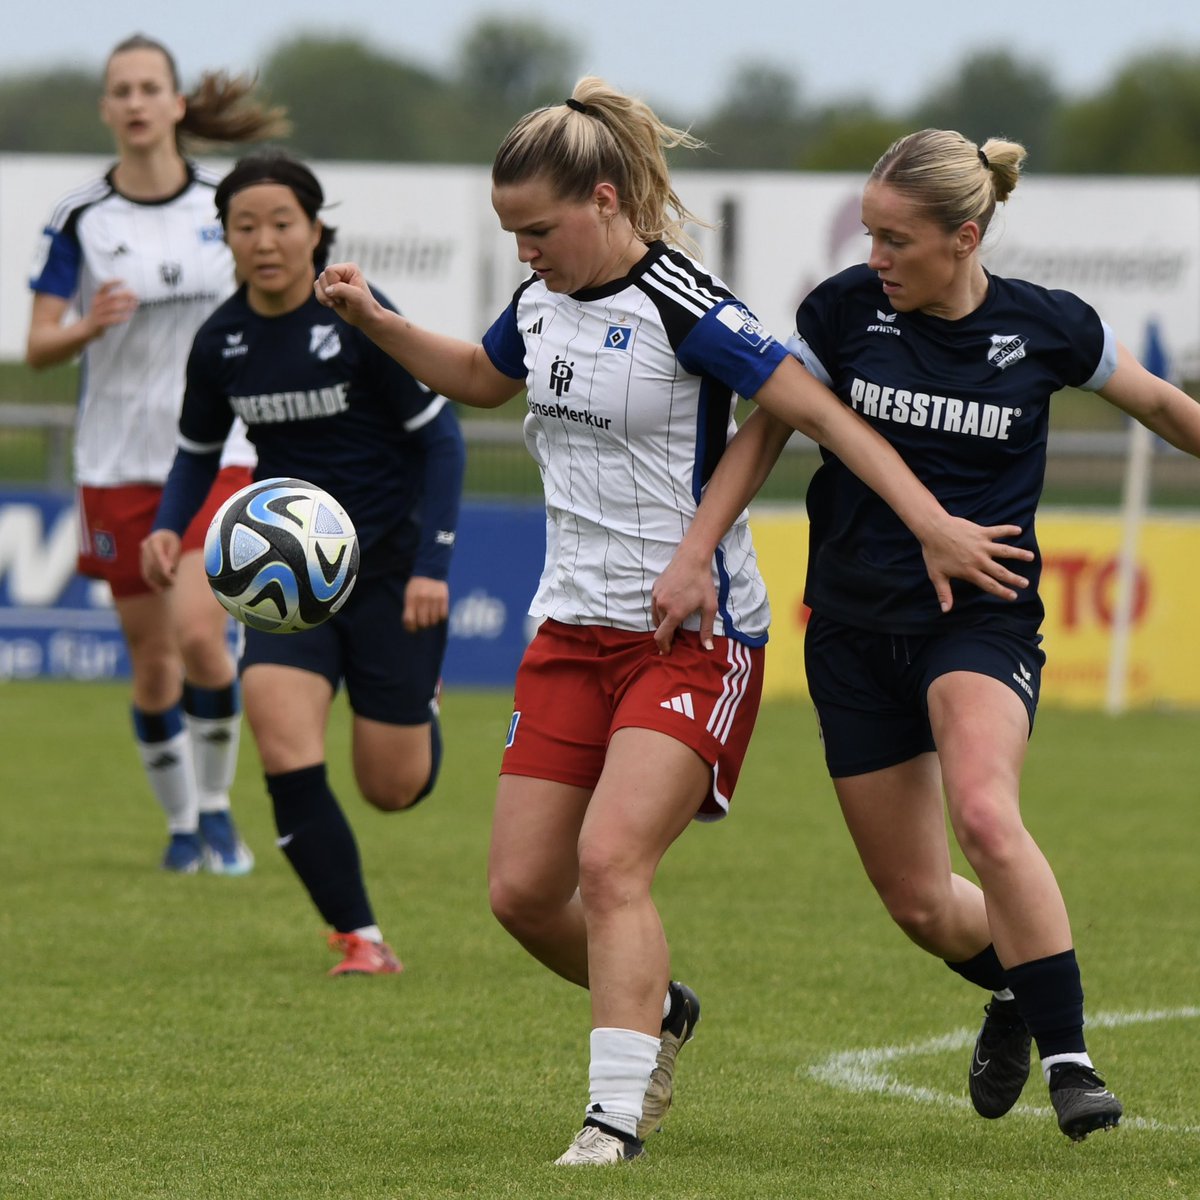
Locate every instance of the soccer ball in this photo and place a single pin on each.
(281, 555)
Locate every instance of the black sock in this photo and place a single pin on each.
(317, 840)
(1050, 997)
(984, 969)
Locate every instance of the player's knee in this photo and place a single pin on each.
(394, 794)
(918, 911)
(518, 908)
(607, 879)
(989, 833)
(399, 789)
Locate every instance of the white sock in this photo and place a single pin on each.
(622, 1060)
(214, 753)
(370, 933)
(1049, 1061)
(168, 766)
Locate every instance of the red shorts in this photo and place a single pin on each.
(114, 520)
(578, 684)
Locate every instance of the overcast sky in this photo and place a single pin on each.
(675, 54)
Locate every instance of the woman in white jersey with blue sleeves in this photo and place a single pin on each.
(631, 355)
(920, 708)
(130, 266)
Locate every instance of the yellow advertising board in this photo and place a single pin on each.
(1079, 590)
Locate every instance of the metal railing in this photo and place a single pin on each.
(499, 449)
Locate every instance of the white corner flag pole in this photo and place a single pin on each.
(1134, 501)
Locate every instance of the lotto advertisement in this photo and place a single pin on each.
(54, 624)
(1080, 592)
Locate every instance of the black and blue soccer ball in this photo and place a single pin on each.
(281, 555)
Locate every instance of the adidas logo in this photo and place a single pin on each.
(536, 327)
(681, 704)
(162, 761)
(217, 737)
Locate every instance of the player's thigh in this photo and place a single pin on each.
(288, 709)
(982, 731)
(897, 821)
(650, 790)
(391, 762)
(533, 856)
(200, 625)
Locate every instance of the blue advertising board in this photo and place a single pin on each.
(55, 624)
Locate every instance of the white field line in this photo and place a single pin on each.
(867, 1070)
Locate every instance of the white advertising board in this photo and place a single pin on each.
(427, 237)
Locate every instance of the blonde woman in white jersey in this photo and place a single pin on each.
(129, 267)
(631, 355)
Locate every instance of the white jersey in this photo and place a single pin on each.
(631, 389)
(172, 255)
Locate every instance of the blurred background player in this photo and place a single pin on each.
(130, 265)
(910, 700)
(322, 403)
(631, 354)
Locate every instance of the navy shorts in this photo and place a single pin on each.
(391, 675)
(870, 688)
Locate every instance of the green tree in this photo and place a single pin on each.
(52, 112)
(1147, 122)
(760, 122)
(996, 95)
(849, 137)
(347, 101)
(515, 64)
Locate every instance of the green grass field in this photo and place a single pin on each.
(177, 1037)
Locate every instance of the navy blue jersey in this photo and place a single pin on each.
(966, 404)
(322, 402)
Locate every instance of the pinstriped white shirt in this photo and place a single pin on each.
(172, 255)
(631, 389)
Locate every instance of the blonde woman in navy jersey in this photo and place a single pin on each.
(630, 354)
(955, 367)
(129, 267)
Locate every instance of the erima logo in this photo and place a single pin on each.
(886, 323)
(324, 342)
(1023, 680)
(535, 328)
(1007, 348)
(561, 374)
(681, 704)
(618, 337)
(234, 347)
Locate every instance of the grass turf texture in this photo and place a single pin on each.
(177, 1037)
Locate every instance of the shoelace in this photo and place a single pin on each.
(591, 1143)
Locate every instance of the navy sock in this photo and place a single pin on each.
(984, 969)
(317, 840)
(1050, 999)
(213, 704)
